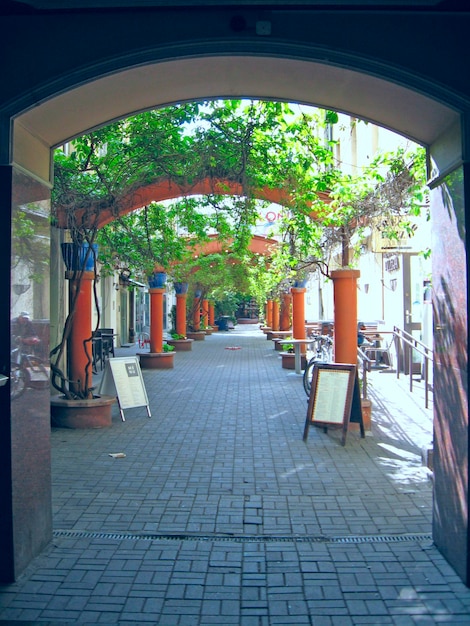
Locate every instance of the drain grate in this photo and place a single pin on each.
(418, 537)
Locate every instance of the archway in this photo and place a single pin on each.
(141, 63)
(166, 189)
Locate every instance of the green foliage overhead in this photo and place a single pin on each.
(259, 145)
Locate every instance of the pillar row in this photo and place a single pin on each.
(181, 314)
(345, 315)
(276, 321)
(156, 319)
(298, 312)
(80, 299)
(286, 311)
(269, 313)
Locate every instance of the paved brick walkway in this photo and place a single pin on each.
(220, 513)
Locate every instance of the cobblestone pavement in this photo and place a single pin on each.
(220, 514)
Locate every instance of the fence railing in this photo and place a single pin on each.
(365, 364)
(405, 347)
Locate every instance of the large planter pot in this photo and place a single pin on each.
(247, 320)
(366, 406)
(181, 287)
(366, 413)
(157, 280)
(75, 256)
(156, 360)
(91, 413)
(181, 345)
(197, 335)
(288, 361)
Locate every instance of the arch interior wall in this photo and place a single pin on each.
(153, 59)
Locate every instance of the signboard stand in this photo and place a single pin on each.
(335, 399)
(123, 378)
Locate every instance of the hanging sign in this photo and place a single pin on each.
(123, 378)
(334, 398)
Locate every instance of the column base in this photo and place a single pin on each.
(91, 413)
(288, 361)
(181, 345)
(197, 335)
(156, 360)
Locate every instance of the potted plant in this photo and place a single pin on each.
(180, 343)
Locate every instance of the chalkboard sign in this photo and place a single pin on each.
(123, 378)
(334, 398)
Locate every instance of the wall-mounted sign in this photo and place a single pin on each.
(391, 262)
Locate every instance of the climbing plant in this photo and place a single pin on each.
(260, 146)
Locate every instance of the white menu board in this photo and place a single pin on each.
(331, 393)
(123, 378)
(331, 397)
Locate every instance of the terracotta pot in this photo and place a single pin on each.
(288, 361)
(197, 335)
(156, 360)
(366, 413)
(181, 345)
(91, 413)
(366, 406)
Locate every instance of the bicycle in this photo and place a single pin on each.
(26, 368)
(323, 353)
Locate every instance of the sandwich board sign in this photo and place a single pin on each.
(334, 398)
(123, 378)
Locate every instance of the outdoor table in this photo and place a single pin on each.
(297, 343)
(272, 335)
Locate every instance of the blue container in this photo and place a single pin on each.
(222, 322)
(157, 280)
(181, 287)
(75, 256)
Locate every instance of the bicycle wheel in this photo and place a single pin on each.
(17, 381)
(307, 377)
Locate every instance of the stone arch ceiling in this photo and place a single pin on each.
(146, 86)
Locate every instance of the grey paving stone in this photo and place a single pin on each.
(223, 458)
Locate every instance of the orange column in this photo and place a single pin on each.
(345, 315)
(286, 305)
(298, 312)
(269, 313)
(211, 314)
(276, 320)
(81, 290)
(156, 319)
(181, 314)
(205, 313)
(197, 313)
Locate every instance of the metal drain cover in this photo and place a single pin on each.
(418, 537)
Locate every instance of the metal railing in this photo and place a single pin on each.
(405, 346)
(366, 365)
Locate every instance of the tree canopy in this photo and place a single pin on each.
(258, 145)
